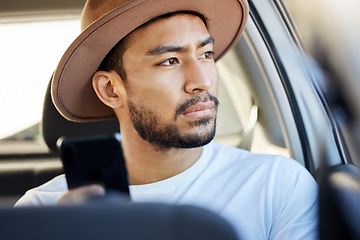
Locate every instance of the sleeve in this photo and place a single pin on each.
(45, 195)
(295, 200)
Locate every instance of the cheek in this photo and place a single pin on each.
(214, 76)
(160, 89)
(164, 102)
(158, 100)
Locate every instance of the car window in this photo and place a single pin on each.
(244, 121)
(30, 52)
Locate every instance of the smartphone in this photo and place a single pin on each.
(96, 159)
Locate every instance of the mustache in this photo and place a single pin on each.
(202, 97)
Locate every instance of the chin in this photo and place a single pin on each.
(199, 137)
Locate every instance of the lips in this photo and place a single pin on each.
(200, 109)
(197, 106)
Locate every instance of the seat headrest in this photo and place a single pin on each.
(54, 126)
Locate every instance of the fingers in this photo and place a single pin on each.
(80, 194)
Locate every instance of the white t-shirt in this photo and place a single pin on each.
(262, 196)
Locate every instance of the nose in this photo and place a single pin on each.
(199, 76)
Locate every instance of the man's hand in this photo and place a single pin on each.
(80, 194)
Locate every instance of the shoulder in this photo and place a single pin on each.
(46, 194)
(236, 157)
(280, 184)
(263, 168)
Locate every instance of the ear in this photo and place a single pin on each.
(109, 88)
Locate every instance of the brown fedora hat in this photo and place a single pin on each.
(106, 22)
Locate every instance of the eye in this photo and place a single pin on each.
(169, 62)
(207, 55)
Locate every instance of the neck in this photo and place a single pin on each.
(147, 163)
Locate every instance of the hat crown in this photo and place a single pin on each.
(94, 9)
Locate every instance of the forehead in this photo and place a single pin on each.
(173, 29)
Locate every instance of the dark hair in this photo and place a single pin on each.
(114, 59)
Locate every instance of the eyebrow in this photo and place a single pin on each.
(170, 48)
(209, 40)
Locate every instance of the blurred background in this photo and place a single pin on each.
(330, 35)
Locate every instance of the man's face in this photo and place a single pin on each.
(171, 82)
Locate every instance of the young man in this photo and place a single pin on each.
(160, 81)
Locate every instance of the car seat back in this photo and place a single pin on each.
(54, 126)
(339, 202)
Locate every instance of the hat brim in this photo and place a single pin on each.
(72, 90)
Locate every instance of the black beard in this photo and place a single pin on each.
(168, 136)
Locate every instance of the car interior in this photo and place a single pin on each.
(115, 216)
(268, 104)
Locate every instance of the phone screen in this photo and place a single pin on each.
(97, 159)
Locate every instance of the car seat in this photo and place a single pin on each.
(114, 219)
(54, 126)
(339, 205)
